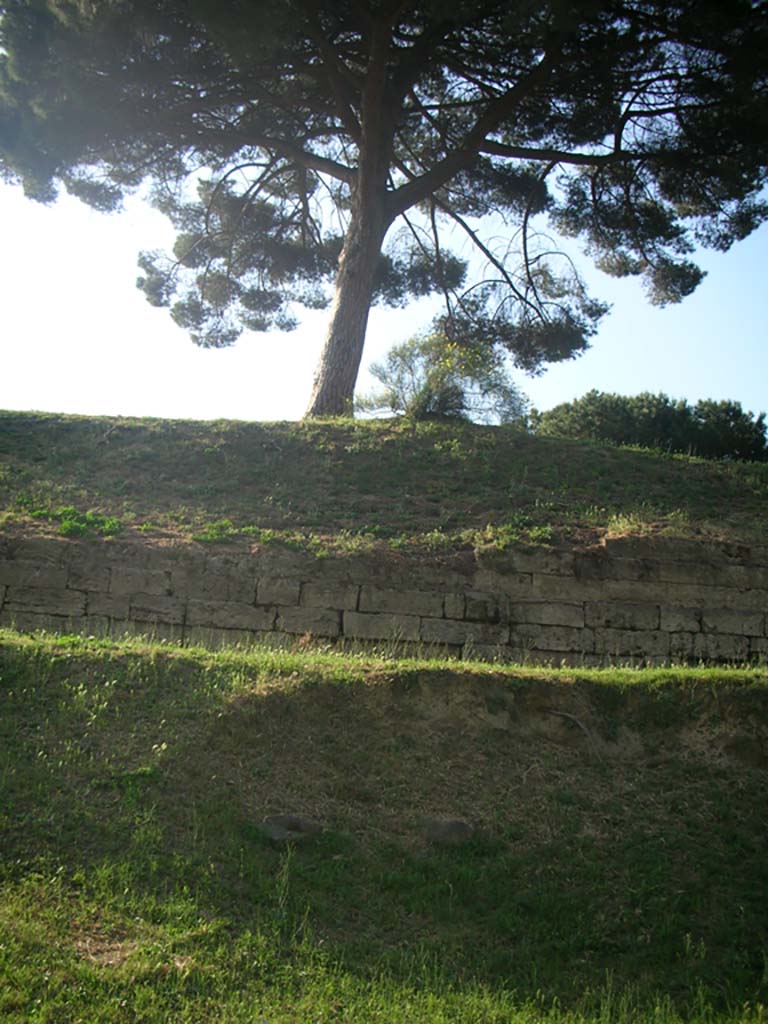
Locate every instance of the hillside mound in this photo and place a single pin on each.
(612, 865)
(352, 485)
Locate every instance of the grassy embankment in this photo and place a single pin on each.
(619, 871)
(349, 486)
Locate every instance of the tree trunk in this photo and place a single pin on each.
(371, 215)
(339, 363)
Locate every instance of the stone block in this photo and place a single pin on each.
(678, 594)
(275, 562)
(53, 550)
(45, 600)
(380, 626)
(340, 596)
(134, 555)
(229, 615)
(213, 586)
(670, 549)
(89, 570)
(516, 586)
(620, 591)
(119, 628)
(454, 606)
(575, 591)
(568, 659)
(156, 608)
(500, 654)
(3, 590)
(533, 637)
(88, 578)
(401, 602)
(680, 620)
(592, 565)
(562, 589)
(315, 621)
(697, 573)
(596, 565)
(481, 607)
(726, 620)
(97, 625)
(16, 573)
(681, 646)
(232, 562)
(723, 597)
(408, 649)
(752, 577)
(164, 632)
(758, 648)
(31, 622)
(715, 647)
(548, 614)
(274, 640)
(278, 590)
(140, 581)
(238, 588)
(640, 643)
(215, 638)
(714, 574)
(621, 616)
(449, 631)
(98, 603)
(230, 579)
(552, 561)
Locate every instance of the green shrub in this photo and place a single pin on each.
(432, 377)
(711, 429)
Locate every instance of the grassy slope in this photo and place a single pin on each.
(347, 483)
(620, 873)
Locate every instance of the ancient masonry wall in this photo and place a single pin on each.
(625, 601)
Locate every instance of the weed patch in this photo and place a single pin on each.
(71, 521)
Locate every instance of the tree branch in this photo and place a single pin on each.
(520, 296)
(438, 204)
(337, 72)
(556, 156)
(293, 151)
(420, 188)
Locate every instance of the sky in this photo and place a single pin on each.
(76, 335)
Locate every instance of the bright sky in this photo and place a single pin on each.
(78, 337)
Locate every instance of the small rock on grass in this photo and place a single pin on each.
(289, 828)
(447, 831)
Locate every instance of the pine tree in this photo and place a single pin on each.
(300, 144)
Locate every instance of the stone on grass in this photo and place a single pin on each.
(447, 831)
(289, 828)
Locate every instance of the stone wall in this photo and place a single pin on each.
(626, 601)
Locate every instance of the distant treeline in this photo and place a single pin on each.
(713, 430)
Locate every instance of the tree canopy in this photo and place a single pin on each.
(304, 149)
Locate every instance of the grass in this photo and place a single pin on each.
(618, 870)
(353, 486)
(618, 873)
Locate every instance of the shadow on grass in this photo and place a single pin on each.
(138, 780)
